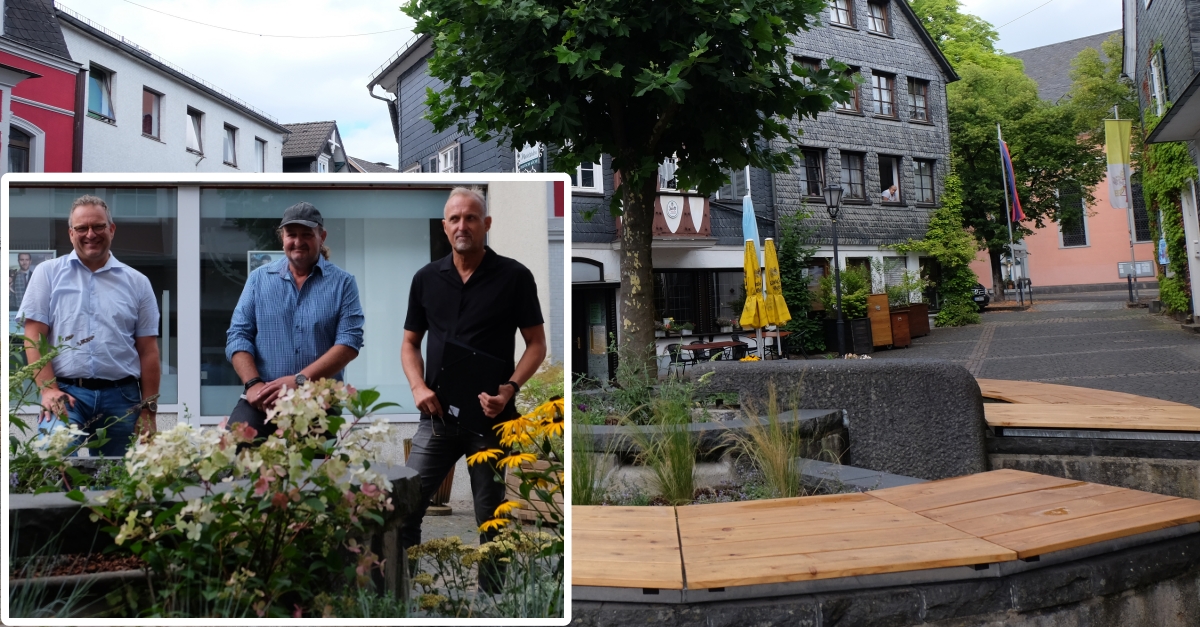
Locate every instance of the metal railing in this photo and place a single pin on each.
(157, 59)
(409, 44)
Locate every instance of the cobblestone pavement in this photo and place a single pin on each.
(1084, 340)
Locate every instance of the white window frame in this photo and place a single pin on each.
(670, 164)
(229, 135)
(1158, 83)
(158, 108)
(260, 154)
(597, 178)
(37, 144)
(108, 87)
(416, 167)
(323, 164)
(195, 123)
(449, 159)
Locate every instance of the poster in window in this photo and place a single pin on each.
(258, 258)
(20, 268)
(599, 345)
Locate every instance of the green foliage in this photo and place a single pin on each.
(856, 287)
(1096, 87)
(282, 533)
(668, 448)
(773, 447)
(954, 249)
(1165, 169)
(1043, 138)
(795, 255)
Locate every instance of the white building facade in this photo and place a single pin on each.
(144, 115)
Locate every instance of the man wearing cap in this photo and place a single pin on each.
(298, 318)
(89, 294)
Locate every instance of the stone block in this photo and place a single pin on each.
(916, 418)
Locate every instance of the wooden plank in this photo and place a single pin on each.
(793, 516)
(881, 324)
(736, 533)
(711, 509)
(1000, 505)
(1127, 418)
(848, 563)
(1038, 515)
(623, 513)
(825, 542)
(971, 488)
(1119, 524)
(625, 575)
(1028, 391)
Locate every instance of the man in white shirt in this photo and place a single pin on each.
(891, 194)
(89, 294)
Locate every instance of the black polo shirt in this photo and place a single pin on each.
(483, 313)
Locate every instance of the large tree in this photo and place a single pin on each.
(708, 82)
(1052, 152)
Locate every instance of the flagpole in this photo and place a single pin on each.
(1007, 204)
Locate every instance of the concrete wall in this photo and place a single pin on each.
(120, 146)
(1052, 264)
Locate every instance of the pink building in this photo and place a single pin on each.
(1086, 251)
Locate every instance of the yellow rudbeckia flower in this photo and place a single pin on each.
(483, 457)
(505, 508)
(495, 523)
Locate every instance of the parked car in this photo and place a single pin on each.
(981, 297)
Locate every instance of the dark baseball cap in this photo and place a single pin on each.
(302, 213)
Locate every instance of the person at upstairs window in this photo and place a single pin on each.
(891, 194)
(89, 295)
(298, 319)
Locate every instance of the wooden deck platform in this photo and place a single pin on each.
(1048, 406)
(992, 517)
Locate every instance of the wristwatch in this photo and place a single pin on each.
(253, 382)
(152, 406)
(515, 386)
(301, 379)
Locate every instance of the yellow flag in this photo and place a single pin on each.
(1116, 145)
(777, 309)
(754, 315)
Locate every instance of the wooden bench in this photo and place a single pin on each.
(1048, 406)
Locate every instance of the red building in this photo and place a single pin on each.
(40, 119)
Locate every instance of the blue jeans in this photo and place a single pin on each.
(114, 409)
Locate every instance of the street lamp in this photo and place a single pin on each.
(833, 198)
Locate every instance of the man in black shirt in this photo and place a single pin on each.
(479, 299)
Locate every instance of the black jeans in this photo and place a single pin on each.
(434, 455)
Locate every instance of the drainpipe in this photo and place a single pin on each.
(394, 115)
(80, 116)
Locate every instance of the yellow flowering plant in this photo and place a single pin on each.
(226, 529)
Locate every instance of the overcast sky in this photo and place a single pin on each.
(306, 80)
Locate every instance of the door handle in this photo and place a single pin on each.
(578, 343)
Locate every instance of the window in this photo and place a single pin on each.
(430, 164)
(1072, 217)
(810, 64)
(851, 105)
(448, 159)
(151, 106)
(588, 177)
(1158, 83)
(877, 18)
(322, 164)
(852, 176)
(675, 296)
(18, 151)
(100, 94)
(841, 12)
(923, 173)
(889, 180)
(1141, 219)
(260, 155)
(883, 93)
(195, 131)
(229, 152)
(669, 173)
(918, 100)
(811, 173)
(416, 167)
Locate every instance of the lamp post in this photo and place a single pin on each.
(833, 198)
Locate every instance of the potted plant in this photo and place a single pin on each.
(660, 330)
(725, 324)
(856, 287)
(686, 328)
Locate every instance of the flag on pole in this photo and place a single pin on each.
(1011, 183)
(1116, 144)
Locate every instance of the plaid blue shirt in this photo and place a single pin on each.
(286, 329)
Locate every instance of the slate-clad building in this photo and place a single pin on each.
(895, 132)
(1162, 56)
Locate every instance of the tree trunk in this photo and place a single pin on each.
(637, 349)
(997, 276)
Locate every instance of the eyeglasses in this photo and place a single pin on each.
(83, 229)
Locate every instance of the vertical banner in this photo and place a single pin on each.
(1116, 145)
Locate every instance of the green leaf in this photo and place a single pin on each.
(368, 396)
(76, 495)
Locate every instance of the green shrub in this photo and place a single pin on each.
(856, 287)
